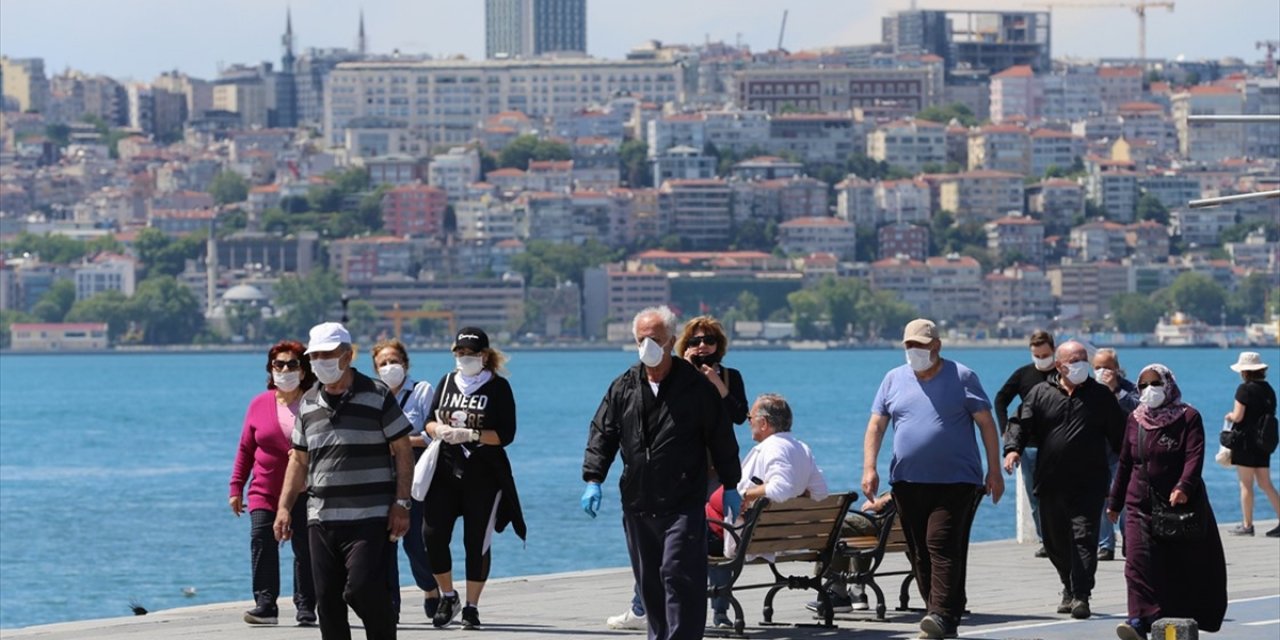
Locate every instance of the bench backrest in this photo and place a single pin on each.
(800, 528)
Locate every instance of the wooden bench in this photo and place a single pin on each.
(869, 552)
(798, 530)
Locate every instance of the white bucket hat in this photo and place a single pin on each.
(1249, 361)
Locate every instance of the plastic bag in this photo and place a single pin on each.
(1223, 457)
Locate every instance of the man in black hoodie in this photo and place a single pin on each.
(1076, 420)
(664, 417)
(1023, 380)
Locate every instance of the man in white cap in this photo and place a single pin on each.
(936, 472)
(351, 452)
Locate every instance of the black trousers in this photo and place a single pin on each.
(1069, 521)
(669, 561)
(474, 498)
(936, 520)
(264, 558)
(350, 565)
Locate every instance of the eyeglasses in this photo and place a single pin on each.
(697, 341)
(281, 365)
(1144, 385)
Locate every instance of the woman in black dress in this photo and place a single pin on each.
(1255, 399)
(1166, 579)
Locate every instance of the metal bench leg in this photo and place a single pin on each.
(739, 618)
(768, 602)
(880, 608)
(904, 596)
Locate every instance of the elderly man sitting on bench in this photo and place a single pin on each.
(780, 467)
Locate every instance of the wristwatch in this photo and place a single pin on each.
(404, 503)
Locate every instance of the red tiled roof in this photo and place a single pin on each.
(814, 221)
(1018, 71)
(1119, 72)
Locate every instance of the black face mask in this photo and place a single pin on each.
(709, 359)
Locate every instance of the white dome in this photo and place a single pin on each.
(243, 293)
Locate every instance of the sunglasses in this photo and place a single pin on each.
(281, 365)
(1144, 385)
(698, 341)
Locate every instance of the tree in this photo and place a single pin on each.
(111, 307)
(520, 151)
(1150, 208)
(305, 302)
(54, 248)
(56, 302)
(162, 255)
(166, 310)
(546, 264)
(59, 134)
(633, 155)
(363, 318)
(1135, 313)
(228, 187)
(7, 318)
(1248, 302)
(1198, 295)
(949, 112)
(806, 312)
(748, 304)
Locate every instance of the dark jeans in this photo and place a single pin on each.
(669, 562)
(350, 565)
(415, 549)
(1070, 520)
(936, 519)
(264, 558)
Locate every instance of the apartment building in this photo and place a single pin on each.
(902, 239)
(454, 171)
(955, 288)
(1051, 148)
(698, 211)
(1204, 142)
(980, 196)
(908, 144)
(1018, 292)
(1000, 148)
(1016, 235)
(1085, 289)
(414, 210)
(367, 258)
(1099, 240)
(804, 236)
(906, 277)
(879, 92)
(616, 292)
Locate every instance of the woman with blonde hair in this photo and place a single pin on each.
(1254, 420)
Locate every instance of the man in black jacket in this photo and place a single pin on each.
(665, 417)
(1023, 380)
(1077, 420)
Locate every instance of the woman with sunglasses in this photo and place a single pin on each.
(260, 461)
(1161, 459)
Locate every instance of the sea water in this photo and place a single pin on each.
(114, 467)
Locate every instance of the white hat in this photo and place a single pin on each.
(327, 336)
(1249, 361)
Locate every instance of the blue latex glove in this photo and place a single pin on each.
(591, 499)
(732, 503)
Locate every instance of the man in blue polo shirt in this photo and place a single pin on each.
(936, 472)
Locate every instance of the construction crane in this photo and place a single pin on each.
(1270, 46)
(1140, 7)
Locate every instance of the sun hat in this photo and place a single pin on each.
(1249, 361)
(327, 336)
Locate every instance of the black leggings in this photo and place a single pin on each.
(474, 498)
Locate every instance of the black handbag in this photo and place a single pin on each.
(1171, 523)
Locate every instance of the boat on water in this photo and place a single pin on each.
(1183, 330)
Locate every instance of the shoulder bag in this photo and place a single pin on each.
(1171, 523)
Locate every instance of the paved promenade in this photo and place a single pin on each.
(1012, 596)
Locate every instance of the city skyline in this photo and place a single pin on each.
(88, 34)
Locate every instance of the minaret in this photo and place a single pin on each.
(287, 60)
(362, 45)
(285, 113)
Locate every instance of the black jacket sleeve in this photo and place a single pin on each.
(722, 444)
(1018, 433)
(1004, 397)
(1116, 418)
(502, 417)
(736, 402)
(604, 436)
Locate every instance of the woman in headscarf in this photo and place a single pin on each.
(1161, 459)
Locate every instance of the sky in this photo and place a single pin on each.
(137, 39)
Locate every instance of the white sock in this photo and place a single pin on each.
(448, 594)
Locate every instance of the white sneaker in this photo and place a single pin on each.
(628, 620)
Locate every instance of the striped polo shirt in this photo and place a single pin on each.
(351, 476)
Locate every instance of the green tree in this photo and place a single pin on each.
(1198, 295)
(748, 304)
(806, 312)
(306, 302)
(228, 187)
(545, 264)
(362, 318)
(59, 134)
(1150, 208)
(520, 151)
(56, 302)
(634, 158)
(7, 318)
(1248, 302)
(53, 248)
(1135, 313)
(947, 113)
(162, 255)
(166, 311)
(882, 315)
(111, 307)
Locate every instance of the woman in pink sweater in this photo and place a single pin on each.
(263, 456)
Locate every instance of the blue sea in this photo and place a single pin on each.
(114, 467)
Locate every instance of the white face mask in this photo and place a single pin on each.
(286, 381)
(470, 365)
(392, 374)
(1043, 364)
(327, 371)
(1077, 372)
(650, 352)
(1153, 397)
(919, 359)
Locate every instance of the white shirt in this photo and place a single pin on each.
(786, 466)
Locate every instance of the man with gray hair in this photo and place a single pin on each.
(665, 418)
(1077, 420)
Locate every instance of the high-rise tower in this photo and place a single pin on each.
(527, 28)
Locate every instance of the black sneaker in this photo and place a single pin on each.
(262, 614)
(1080, 609)
(934, 626)
(1067, 601)
(446, 611)
(430, 605)
(1106, 555)
(470, 617)
(840, 602)
(1274, 533)
(306, 618)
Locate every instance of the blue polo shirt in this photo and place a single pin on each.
(934, 439)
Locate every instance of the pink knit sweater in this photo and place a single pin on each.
(264, 450)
